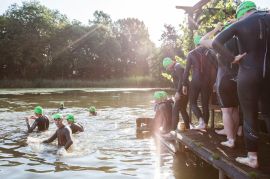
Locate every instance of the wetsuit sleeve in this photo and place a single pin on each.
(186, 72)
(212, 56)
(80, 128)
(221, 39)
(34, 125)
(52, 138)
(68, 138)
(180, 72)
(158, 120)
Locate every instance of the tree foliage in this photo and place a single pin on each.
(36, 42)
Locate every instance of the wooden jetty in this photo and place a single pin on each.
(206, 145)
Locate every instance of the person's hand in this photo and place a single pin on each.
(184, 90)
(33, 117)
(62, 151)
(219, 26)
(231, 21)
(238, 58)
(177, 96)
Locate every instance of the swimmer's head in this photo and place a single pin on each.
(167, 63)
(244, 8)
(92, 110)
(38, 110)
(197, 39)
(70, 118)
(58, 119)
(160, 96)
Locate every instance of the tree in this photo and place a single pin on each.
(28, 29)
(136, 46)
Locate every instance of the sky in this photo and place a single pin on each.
(154, 13)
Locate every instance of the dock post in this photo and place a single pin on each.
(212, 118)
(221, 174)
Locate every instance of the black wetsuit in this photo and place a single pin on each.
(181, 104)
(254, 70)
(42, 123)
(76, 128)
(163, 116)
(226, 77)
(63, 134)
(203, 64)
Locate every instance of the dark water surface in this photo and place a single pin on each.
(109, 147)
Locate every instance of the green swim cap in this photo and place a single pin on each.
(70, 117)
(167, 61)
(244, 7)
(57, 116)
(38, 110)
(160, 95)
(92, 109)
(196, 39)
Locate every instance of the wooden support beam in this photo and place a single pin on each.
(221, 174)
(192, 9)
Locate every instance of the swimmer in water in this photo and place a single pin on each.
(63, 133)
(41, 121)
(92, 111)
(75, 127)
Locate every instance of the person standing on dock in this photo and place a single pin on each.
(253, 84)
(181, 100)
(63, 133)
(41, 121)
(75, 127)
(226, 86)
(203, 64)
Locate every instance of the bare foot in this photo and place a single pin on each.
(249, 161)
(229, 143)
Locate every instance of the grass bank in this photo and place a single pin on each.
(136, 82)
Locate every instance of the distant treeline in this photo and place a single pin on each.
(39, 43)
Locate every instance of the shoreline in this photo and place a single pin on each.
(130, 82)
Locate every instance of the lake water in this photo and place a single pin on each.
(109, 147)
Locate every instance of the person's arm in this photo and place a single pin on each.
(68, 138)
(79, 127)
(221, 39)
(206, 39)
(187, 70)
(34, 125)
(52, 138)
(180, 72)
(158, 119)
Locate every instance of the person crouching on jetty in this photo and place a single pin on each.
(41, 121)
(163, 115)
(63, 133)
(75, 127)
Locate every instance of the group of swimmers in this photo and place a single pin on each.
(237, 64)
(63, 132)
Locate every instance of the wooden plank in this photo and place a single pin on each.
(207, 146)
